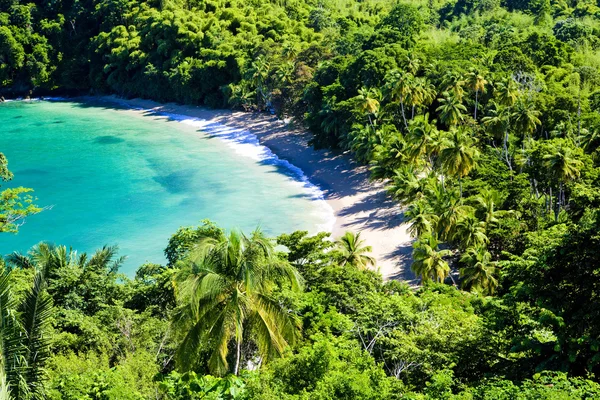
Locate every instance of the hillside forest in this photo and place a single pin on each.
(482, 117)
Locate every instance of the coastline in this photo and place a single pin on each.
(357, 203)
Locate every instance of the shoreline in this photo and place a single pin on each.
(358, 204)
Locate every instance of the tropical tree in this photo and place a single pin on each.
(421, 219)
(564, 166)
(428, 259)
(470, 231)
(406, 187)
(479, 271)
(590, 139)
(498, 123)
(459, 156)
(368, 100)
(453, 82)
(65, 269)
(15, 203)
(421, 138)
(226, 295)
(399, 87)
(24, 340)
(525, 117)
(354, 252)
(486, 202)
(451, 210)
(477, 83)
(507, 92)
(451, 109)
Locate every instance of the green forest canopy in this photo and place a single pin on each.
(481, 115)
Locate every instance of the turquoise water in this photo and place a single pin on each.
(117, 177)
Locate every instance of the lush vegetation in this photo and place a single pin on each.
(231, 318)
(482, 115)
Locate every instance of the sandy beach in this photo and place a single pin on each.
(358, 204)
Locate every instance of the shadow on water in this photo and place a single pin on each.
(177, 182)
(108, 140)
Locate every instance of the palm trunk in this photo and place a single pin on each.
(505, 146)
(460, 187)
(551, 204)
(578, 117)
(403, 115)
(238, 356)
(476, 100)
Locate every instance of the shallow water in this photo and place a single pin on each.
(113, 176)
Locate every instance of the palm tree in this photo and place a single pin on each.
(354, 251)
(590, 139)
(459, 156)
(526, 117)
(564, 165)
(406, 187)
(470, 231)
(225, 288)
(498, 123)
(24, 345)
(479, 271)
(453, 82)
(422, 220)
(413, 63)
(421, 134)
(368, 100)
(507, 92)
(259, 71)
(451, 211)
(422, 94)
(451, 109)
(428, 260)
(62, 261)
(486, 202)
(399, 87)
(477, 82)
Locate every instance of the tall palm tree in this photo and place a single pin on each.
(422, 94)
(477, 83)
(486, 202)
(470, 231)
(428, 259)
(498, 123)
(459, 156)
(406, 187)
(24, 345)
(368, 100)
(422, 220)
(507, 92)
(226, 289)
(259, 71)
(354, 252)
(451, 211)
(420, 137)
(399, 87)
(479, 270)
(453, 82)
(525, 117)
(565, 166)
(451, 109)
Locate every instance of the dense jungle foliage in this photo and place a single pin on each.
(482, 115)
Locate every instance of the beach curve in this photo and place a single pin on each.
(358, 204)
